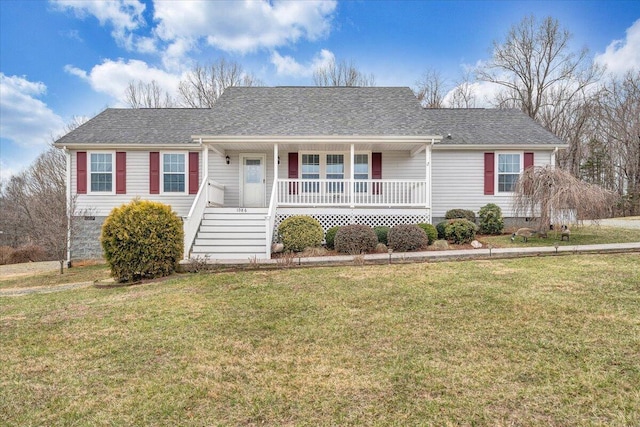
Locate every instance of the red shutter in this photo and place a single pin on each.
(81, 169)
(194, 172)
(293, 172)
(489, 173)
(376, 171)
(154, 172)
(528, 160)
(121, 172)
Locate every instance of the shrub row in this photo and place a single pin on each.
(28, 253)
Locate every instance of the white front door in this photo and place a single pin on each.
(253, 180)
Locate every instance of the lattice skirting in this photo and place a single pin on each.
(354, 216)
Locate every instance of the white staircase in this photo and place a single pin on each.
(231, 233)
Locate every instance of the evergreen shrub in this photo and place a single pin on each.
(299, 232)
(142, 239)
(356, 239)
(407, 237)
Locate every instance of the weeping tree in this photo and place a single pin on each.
(549, 193)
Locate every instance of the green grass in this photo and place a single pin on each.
(52, 278)
(586, 235)
(535, 341)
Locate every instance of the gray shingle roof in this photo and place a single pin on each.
(139, 126)
(321, 111)
(489, 126)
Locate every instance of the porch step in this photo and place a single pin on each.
(231, 233)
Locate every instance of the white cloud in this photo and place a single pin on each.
(26, 120)
(124, 16)
(288, 66)
(240, 26)
(112, 77)
(622, 55)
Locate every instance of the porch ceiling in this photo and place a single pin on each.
(314, 146)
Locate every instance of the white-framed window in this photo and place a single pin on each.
(101, 176)
(174, 176)
(509, 168)
(334, 166)
(361, 171)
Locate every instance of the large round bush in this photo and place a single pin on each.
(430, 231)
(460, 231)
(142, 239)
(299, 232)
(407, 237)
(491, 221)
(356, 239)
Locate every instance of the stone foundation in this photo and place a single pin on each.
(85, 242)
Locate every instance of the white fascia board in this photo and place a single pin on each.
(129, 147)
(505, 147)
(346, 139)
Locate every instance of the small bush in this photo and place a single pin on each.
(5, 254)
(461, 231)
(430, 231)
(382, 231)
(461, 213)
(440, 228)
(142, 239)
(491, 221)
(355, 239)
(381, 248)
(330, 236)
(28, 253)
(299, 232)
(407, 237)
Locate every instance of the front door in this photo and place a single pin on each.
(253, 180)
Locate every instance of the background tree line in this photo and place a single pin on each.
(533, 68)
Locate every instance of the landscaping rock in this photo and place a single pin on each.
(476, 244)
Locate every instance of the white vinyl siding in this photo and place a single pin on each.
(458, 181)
(100, 204)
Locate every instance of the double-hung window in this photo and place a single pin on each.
(335, 170)
(173, 172)
(310, 170)
(101, 171)
(361, 171)
(509, 168)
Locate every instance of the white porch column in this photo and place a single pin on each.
(352, 184)
(205, 169)
(427, 150)
(275, 163)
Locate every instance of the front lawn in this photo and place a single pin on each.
(581, 235)
(534, 341)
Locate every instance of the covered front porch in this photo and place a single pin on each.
(338, 182)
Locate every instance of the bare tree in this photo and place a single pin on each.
(548, 193)
(147, 95)
(536, 67)
(618, 125)
(430, 89)
(341, 74)
(203, 85)
(463, 95)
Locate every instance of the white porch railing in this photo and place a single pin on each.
(344, 192)
(210, 192)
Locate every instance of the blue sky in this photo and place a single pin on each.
(66, 58)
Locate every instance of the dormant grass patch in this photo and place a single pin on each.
(534, 341)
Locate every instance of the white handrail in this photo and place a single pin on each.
(360, 192)
(192, 221)
(271, 218)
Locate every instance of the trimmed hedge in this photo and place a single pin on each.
(355, 239)
(142, 239)
(430, 231)
(440, 228)
(460, 213)
(330, 236)
(382, 231)
(460, 231)
(491, 221)
(407, 237)
(299, 232)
